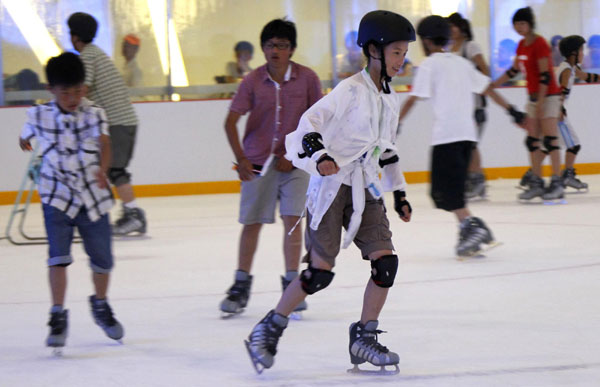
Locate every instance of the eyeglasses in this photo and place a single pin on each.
(280, 46)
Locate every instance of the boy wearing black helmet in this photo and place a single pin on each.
(346, 142)
(571, 48)
(534, 58)
(450, 81)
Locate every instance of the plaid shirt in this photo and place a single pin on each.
(70, 149)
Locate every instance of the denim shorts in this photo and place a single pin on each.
(96, 236)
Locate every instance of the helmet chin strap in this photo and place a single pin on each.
(385, 78)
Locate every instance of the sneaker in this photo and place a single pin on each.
(536, 189)
(365, 347)
(103, 316)
(284, 284)
(555, 190)
(473, 232)
(238, 294)
(569, 180)
(59, 326)
(526, 178)
(475, 185)
(133, 220)
(262, 341)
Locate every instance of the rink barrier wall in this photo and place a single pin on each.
(182, 149)
(224, 187)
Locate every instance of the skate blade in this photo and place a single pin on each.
(479, 253)
(228, 315)
(296, 315)
(576, 191)
(57, 351)
(258, 366)
(552, 202)
(382, 371)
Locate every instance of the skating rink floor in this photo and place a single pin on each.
(528, 314)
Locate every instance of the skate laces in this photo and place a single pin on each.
(238, 289)
(267, 335)
(57, 323)
(370, 340)
(103, 314)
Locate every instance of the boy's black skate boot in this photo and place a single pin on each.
(526, 179)
(569, 180)
(473, 233)
(555, 190)
(475, 186)
(536, 189)
(365, 347)
(237, 295)
(262, 341)
(59, 327)
(133, 220)
(103, 316)
(285, 281)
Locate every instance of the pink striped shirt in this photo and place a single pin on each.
(274, 109)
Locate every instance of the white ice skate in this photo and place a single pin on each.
(237, 295)
(262, 341)
(474, 239)
(570, 180)
(59, 328)
(365, 347)
(555, 193)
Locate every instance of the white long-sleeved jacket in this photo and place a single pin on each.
(359, 126)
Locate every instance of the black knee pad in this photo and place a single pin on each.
(383, 270)
(116, 174)
(574, 149)
(313, 279)
(549, 143)
(531, 143)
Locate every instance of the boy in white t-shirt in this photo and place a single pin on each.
(450, 81)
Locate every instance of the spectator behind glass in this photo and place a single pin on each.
(592, 59)
(235, 71)
(504, 57)
(24, 80)
(556, 55)
(132, 74)
(353, 61)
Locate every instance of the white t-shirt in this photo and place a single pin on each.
(450, 81)
(562, 67)
(469, 49)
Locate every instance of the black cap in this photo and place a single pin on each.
(83, 25)
(524, 14)
(384, 27)
(434, 26)
(570, 45)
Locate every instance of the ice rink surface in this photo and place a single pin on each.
(528, 314)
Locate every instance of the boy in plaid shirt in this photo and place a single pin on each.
(72, 134)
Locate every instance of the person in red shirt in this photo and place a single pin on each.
(534, 59)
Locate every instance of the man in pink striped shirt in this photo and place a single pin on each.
(276, 95)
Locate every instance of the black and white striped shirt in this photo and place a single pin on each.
(107, 87)
(69, 144)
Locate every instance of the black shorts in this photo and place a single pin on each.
(449, 166)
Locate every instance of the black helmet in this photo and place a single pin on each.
(526, 15)
(384, 27)
(83, 25)
(433, 27)
(570, 45)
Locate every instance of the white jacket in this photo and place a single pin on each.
(359, 125)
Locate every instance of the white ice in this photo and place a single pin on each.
(526, 315)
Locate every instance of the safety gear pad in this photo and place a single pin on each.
(314, 280)
(512, 72)
(311, 143)
(545, 78)
(548, 143)
(383, 270)
(531, 143)
(575, 149)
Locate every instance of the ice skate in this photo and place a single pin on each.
(59, 327)
(103, 316)
(569, 180)
(302, 306)
(474, 238)
(132, 221)
(536, 189)
(525, 179)
(237, 295)
(262, 341)
(475, 187)
(365, 347)
(555, 192)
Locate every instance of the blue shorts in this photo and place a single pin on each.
(96, 236)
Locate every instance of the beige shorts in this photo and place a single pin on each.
(552, 105)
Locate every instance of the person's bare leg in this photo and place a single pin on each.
(248, 245)
(58, 284)
(475, 163)
(550, 128)
(569, 160)
(292, 244)
(375, 296)
(101, 284)
(462, 214)
(125, 192)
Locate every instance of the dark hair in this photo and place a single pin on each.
(434, 28)
(526, 15)
(279, 28)
(463, 24)
(244, 46)
(83, 25)
(65, 70)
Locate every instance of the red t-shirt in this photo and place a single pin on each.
(528, 57)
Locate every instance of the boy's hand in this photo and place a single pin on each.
(283, 165)
(402, 206)
(101, 178)
(25, 145)
(327, 166)
(245, 170)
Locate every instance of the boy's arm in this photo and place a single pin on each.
(518, 116)
(588, 77)
(508, 75)
(563, 79)
(28, 131)
(105, 159)
(407, 106)
(244, 166)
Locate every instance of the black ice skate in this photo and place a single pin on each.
(59, 327)
(132, 221)
(475, 186)
(535, 190)
(103, 316)
(555, 193)
(237, 295)
(262, 341)
(525, 180)
(302, 306)
(569, 180)
(364, 347)
(473, 235)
